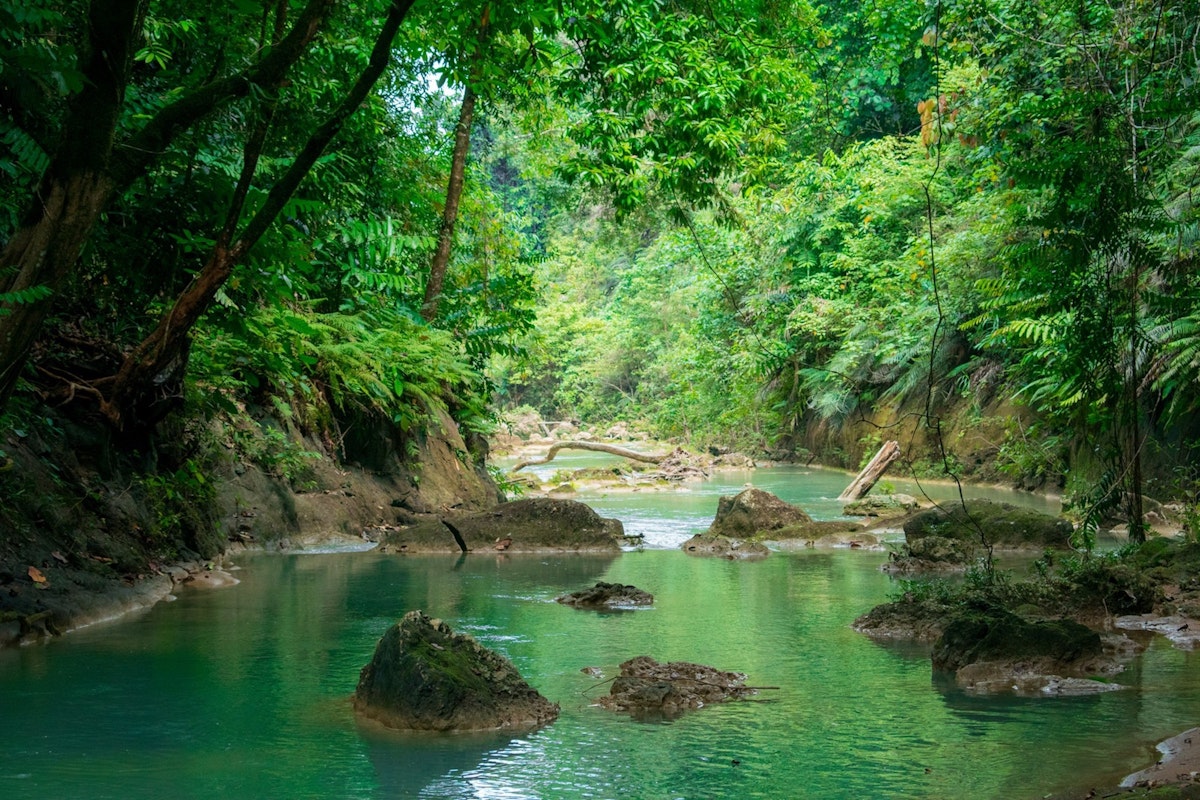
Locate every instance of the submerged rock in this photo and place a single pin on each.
(646, 688)
(607, 595)
(536, 524)
(753, 512)
(828, 533)
(931, 554)
(705, 544)
(918, 620)
(887, 506)
(1183, 632)
(424, 676)
(1000, 524)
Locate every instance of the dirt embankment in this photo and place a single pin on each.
(91, 529)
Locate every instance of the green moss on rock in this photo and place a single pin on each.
(424, 676)
(1001, 524)
(998, 635)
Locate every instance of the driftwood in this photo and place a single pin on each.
(872, 472)
(612, 449)
(458, 537)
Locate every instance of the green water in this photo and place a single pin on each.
(667, 517)
(243, 692)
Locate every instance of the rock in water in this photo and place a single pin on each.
(424, 676)
(607, 595)
(646, 688)
(753, 511)
(992, 650)
(1000, 524)
(531, 525)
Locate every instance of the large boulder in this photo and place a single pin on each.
(1001, 524)
(607, 595)
(646, 688)
(424, 676)
(993, 650)
(753, 512)
(537, 524)
(994, 634)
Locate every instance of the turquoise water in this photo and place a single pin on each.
(668, 517)
(243, 692)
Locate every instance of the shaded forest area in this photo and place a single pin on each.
(272, 228)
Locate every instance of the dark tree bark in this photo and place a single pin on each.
(139, 393)
(441, 255)
(76, 185)
(872, 472)
(458, 165)
(87, 169)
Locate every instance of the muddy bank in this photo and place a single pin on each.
(94, 528)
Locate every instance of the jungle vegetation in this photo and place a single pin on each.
(732, 221)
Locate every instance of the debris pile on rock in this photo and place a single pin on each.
(607, 595)
(646, 688)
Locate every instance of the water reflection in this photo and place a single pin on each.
(668, 517)
(242, 693)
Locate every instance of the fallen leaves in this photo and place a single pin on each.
(39, 580)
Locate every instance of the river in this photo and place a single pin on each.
(244, 692)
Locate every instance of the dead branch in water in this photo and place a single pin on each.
(598, 447)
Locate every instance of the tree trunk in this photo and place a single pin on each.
(458, 162)
(43, 254)
(871, 473)
(75, 187)
(85, 172)
(594, 446)
(136, 393)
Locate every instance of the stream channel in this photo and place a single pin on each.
(244, 692)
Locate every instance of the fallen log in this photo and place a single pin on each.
(598, 447)
(872, 472)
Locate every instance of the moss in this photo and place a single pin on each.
(996, 523)
(993, 634)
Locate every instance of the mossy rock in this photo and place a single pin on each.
(753, 512)
(536, 524)
(1000, 524)
(423, 676)
(814, 530)
(932, 554)
(997, 635)
(1112, 588)
(920, 620)
(706, 544)
(887, 506)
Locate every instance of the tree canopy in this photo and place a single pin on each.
(738, 222)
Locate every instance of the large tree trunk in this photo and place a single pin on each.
(136, 394)
(85, 171)
(458, 162)
(76, 185)
(872, 472)
(458, 165)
